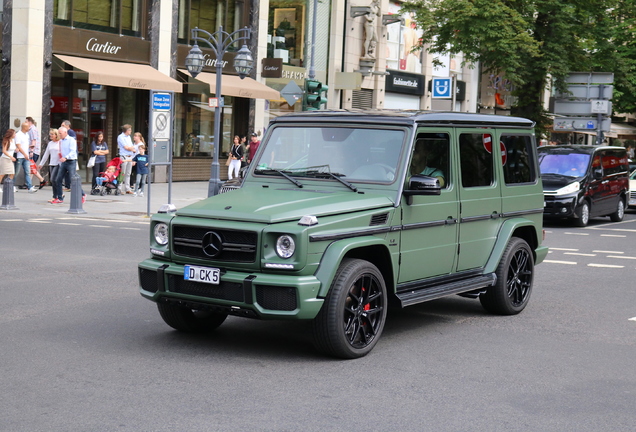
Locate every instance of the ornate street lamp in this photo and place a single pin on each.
(243, 63)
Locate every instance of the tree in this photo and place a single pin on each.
(527, 41)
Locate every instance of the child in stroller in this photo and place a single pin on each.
(107, 180)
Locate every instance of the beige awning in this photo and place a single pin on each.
(232, 85)
(119, 74)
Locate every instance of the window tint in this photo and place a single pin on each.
(476, 159)
(518, 166)
(614, 163)
(431, 156)
(113, 16)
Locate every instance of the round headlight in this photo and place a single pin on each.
(285, 246)
(161, 234)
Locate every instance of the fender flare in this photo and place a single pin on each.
(505, 234)
(335, 253)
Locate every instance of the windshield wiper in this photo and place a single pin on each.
(282, 173)
(335, 176)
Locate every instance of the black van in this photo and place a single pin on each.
(584, 181)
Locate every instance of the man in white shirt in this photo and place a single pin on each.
(22, 148)
(126, 154)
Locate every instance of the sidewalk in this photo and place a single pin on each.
(126, 207)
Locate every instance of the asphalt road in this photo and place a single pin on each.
(80, 350)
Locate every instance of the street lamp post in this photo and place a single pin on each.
(243, 64)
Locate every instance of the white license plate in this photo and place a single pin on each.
(202, 274)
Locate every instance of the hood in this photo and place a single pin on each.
(272, 205)
(552, 182)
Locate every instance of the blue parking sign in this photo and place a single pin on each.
(442, 88)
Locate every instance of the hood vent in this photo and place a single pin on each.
(379, 219)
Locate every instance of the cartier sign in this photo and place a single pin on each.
(92, 44)
(272, 68)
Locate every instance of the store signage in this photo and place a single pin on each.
(403, 82)
(442, 88)
(106, 47)
(272, 68)
(161, 101)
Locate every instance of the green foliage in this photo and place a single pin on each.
(530, 41)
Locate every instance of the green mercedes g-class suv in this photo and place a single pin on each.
(343, 213)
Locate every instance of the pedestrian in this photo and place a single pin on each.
(141, 162)
(126, 154)
(34, 137)
(7, 158)
(252, 147)
(236, 154)
(244, 149)
(138, 140)
(71, 133)
(99, 148)
(52, 155)
(22, 146)
(68, 163)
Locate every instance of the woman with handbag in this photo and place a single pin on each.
(99, 150)
(236, 154)
(7, 158)
(52, 155)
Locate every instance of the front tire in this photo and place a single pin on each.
(583, 215)
(352, 318)
(618, 215)
(515, 274)
(188, 320)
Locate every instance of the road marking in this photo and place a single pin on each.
(100, 226)
(613, 235)
(563, 249)
(614, 229)
(128, 228)
(632, 319)
(39, 221)
(68, 223)
(579, 234)
(12, 220)
(577, 253)
(623, 257)
(605, 266)
(607, 252)
(560, 262)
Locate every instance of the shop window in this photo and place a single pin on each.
(286, 32)
(113, 16)
(209, 15)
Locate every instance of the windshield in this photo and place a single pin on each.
(569, 164)
(352, 154)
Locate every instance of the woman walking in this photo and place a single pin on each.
(52, 154)
(236, 154)
(6, 159)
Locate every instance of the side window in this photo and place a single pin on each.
(431, 156)
(612, 163)
(518, 163)
(475, 155)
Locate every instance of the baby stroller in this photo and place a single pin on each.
(107, 186)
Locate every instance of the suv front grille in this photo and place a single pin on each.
(224, 291)
(236, 246)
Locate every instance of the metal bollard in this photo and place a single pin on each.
(76, 195)
(8, 202)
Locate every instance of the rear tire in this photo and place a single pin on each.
(188, 320)
(618, 215)
(515, 274)
(582, 215)
(353, 315)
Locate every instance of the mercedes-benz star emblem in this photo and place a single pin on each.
(212, 244)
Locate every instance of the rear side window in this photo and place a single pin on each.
(518, 164)
(614, 163)
(475, 153)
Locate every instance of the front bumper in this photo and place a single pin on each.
(257, 295)
(563, 207)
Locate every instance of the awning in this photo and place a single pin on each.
(232, 85)
(119, 74)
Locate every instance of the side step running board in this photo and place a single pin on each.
(420, 295)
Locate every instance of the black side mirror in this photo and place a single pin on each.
(422, 185)
(598, 173)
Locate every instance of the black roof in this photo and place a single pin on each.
(407, 117)
(576, 148)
